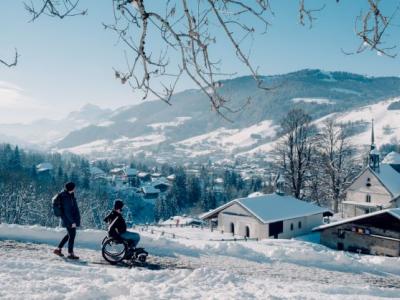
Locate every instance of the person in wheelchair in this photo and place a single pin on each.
(117, 226)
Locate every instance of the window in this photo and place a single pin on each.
(247, 231)
(340, 246)
(368, 198)
(299, 224)
(368, 182)
(232, 228)
(291, 226)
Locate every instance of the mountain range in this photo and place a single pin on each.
(190, 129)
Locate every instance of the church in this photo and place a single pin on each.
(377, 187)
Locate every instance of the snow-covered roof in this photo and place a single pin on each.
(389, 177)
(395, 212)
(273, 207)
(130, 171)
(171, 177)
(95, 171)
(143, 174)
(219, 180)
(160, 182)
(393, 158)
(255, 194)
(149, 189)
(116, 171)
(45, 166)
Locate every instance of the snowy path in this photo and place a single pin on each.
(199, 270)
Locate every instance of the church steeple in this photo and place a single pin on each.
(374, 158)
(372, 136)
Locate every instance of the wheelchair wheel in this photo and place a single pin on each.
(113, 251)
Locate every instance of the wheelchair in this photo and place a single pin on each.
(116, 250)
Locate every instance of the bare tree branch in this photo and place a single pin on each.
(55, 8)
(13, 63)
(189, 31)
(371, 27)
(307, 14)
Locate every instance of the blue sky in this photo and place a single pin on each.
(67, 63)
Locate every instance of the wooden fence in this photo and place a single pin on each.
(149, 228)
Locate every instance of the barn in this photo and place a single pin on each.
(376, 233)
(267, 216)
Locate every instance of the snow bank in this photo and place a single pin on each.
(269, 269)
(289, 251)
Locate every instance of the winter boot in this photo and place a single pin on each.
(72, 256)
(58, 252)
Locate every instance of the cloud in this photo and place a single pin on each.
(17, 106)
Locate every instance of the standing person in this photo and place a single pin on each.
(71, 219)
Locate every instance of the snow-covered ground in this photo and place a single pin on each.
(386, 122)
(113, 147)
(386, 126)
(269, 269)
(162, 125)
(313, 100)
(227, 141)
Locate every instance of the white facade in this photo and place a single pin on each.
(241, 218)
(267, 216)
(369, 193)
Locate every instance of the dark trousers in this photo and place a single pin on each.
(70, 237)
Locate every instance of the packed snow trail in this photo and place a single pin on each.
(276, 269)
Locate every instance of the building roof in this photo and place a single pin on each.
(395, 212)
(273, 207)
(95, 171)
(130, 171)
(171, 177)
(116, 171)
(143, 174)
(389, 177)
(149, 189)
(45, 166)
(393, 158)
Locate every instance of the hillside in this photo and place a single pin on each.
(189, 129)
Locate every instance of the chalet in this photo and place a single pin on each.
(117, 172)
(150, 192)
(218, 186)
(268, 216)
(171, 177)
(131, 176)
(156, 175)
(97, 173)
(44, 168)
(161, 184)
(144, 177)
(376, 233)
(377, 187)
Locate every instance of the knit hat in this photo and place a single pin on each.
(70, 186)
(118, 204)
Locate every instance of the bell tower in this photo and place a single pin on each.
(374, 156)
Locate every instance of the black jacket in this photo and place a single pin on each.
(70, 211)
(116, 224)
